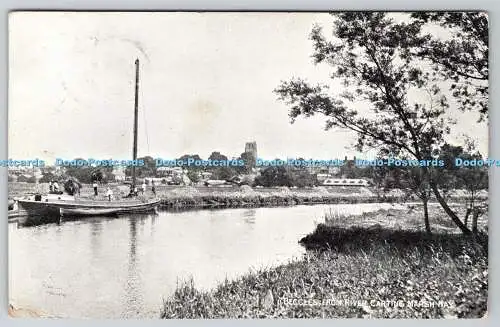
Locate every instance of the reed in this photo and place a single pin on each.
(349, 272)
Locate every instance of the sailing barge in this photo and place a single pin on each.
(67, 206)
(82, 208)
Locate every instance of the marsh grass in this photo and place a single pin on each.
(256, 199)
(401, 217)
(365, 265)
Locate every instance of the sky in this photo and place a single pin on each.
(206, 84)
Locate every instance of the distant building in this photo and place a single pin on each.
(322, 177)
(171, 175)
(206, 175)
(119, 173)
(17, 170)
(169, 171)
(251, 147)
(329, 170)
(345, 182)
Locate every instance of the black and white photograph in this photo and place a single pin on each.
(248, 165)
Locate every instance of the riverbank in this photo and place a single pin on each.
(192, 198)
(379, 265)
(186, 197)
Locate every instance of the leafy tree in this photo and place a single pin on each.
(461, 58)
(302, 178)
(369, 57)
(224, 173)
(349, 170)
(274, 176)
(193, 176)
(193, 171)
(81, 173)
(190, 156)
(221, 172)
(248, 180)
(379, 174)
(148, 170)
(47, 177)
(216, 155)
(416, 181)
(472, 178)
(249, 160)
(97, 175)
(393, 178)
(193, 157)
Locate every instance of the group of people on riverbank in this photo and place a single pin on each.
(134, 191)
(109, 192)
(54, 188)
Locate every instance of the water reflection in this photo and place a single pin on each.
(153, 223)
(133, 294)
(122, 267)
(95, 237)
(249, 216)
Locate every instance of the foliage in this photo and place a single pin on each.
(47, 177)
(88, 174)
(302, 178)
(471, 178)
(368, 61)
(249, 160)
(370, 57)
(461, 58)
(221, 172)
(216, 155)
(274, 176)
(193, 176)
(148, 170)
(370, 265)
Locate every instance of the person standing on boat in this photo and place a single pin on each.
(51, 187)
(109, 193)
(143, 187)
(56, 187)
(94, 185)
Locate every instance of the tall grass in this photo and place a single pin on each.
(351, 271)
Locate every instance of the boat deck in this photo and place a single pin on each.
(94, 203)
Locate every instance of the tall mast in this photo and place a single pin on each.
(136, 104)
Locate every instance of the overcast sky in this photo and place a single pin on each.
(206, 85)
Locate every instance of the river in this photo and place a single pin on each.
(124, 267)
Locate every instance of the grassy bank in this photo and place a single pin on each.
(240, 199)
(185, 197)
(372, 269)
(179, 197)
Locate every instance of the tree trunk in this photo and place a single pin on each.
(448, 210)
(466, 218)
(475, 216)
(426, 217)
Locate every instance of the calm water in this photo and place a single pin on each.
(123, 267)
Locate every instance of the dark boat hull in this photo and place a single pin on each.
(52, 210)
(78, 213)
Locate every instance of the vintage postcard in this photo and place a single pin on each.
(248, 165)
